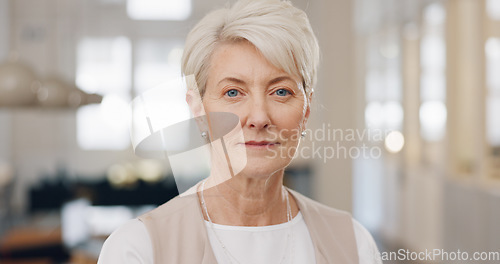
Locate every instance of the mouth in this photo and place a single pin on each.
(260, 144)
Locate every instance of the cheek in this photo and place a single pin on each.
(290, 136)
(288, 118)
(289, 127)
(215, 105)
(209, 106)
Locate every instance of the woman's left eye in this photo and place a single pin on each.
(232, 93)
(282, 92)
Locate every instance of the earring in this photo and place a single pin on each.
(204, 134)
(303, 134)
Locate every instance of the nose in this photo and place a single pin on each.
(258, 115)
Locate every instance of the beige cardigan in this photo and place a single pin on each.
(178, 233)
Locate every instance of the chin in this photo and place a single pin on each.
(263, 167)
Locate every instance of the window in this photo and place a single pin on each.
(492, 50)
(157, 79)
(103, 66)
(383, 88)
(493, 9)
(156, 61)
(433, 112)
(492, 93)
(159, 9)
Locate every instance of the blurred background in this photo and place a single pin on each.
(410, 89)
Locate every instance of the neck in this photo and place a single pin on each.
(247, 201)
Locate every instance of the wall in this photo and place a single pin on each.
(5, 146)
(471, 218)
(438, 195)
(39, 142)
(334, 100)
(45, 34)
(4, 28)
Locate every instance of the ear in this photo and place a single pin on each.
(308, 110)
(193, 99)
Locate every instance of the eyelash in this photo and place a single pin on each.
(282, 89)
(288, 92)
(227, 93)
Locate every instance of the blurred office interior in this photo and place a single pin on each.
(411, 86)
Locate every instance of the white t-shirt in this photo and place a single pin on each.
(288, 242)
(130, 244)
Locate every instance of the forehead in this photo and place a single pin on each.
(244, 61)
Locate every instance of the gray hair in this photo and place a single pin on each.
(280, 31)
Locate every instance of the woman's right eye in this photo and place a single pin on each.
(232, 93)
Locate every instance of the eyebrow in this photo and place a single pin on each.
(271, 82)
(280, 79)
(231, 79)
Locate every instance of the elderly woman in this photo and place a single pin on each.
(257, 60)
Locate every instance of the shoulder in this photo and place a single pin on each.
(179, 217)
(324, 222)
(362, 235)
(361, 232)
(333, 230)
(367, 248)
(328, 223)
(130, 243)
(176, 208)
(185, 204)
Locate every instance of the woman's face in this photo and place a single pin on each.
(270, 104)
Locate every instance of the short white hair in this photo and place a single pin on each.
(280, 31)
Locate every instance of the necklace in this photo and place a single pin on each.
(228, 254)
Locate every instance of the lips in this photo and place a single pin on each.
(260, 144)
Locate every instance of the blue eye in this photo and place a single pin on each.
(232, 93)
(282, 92)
